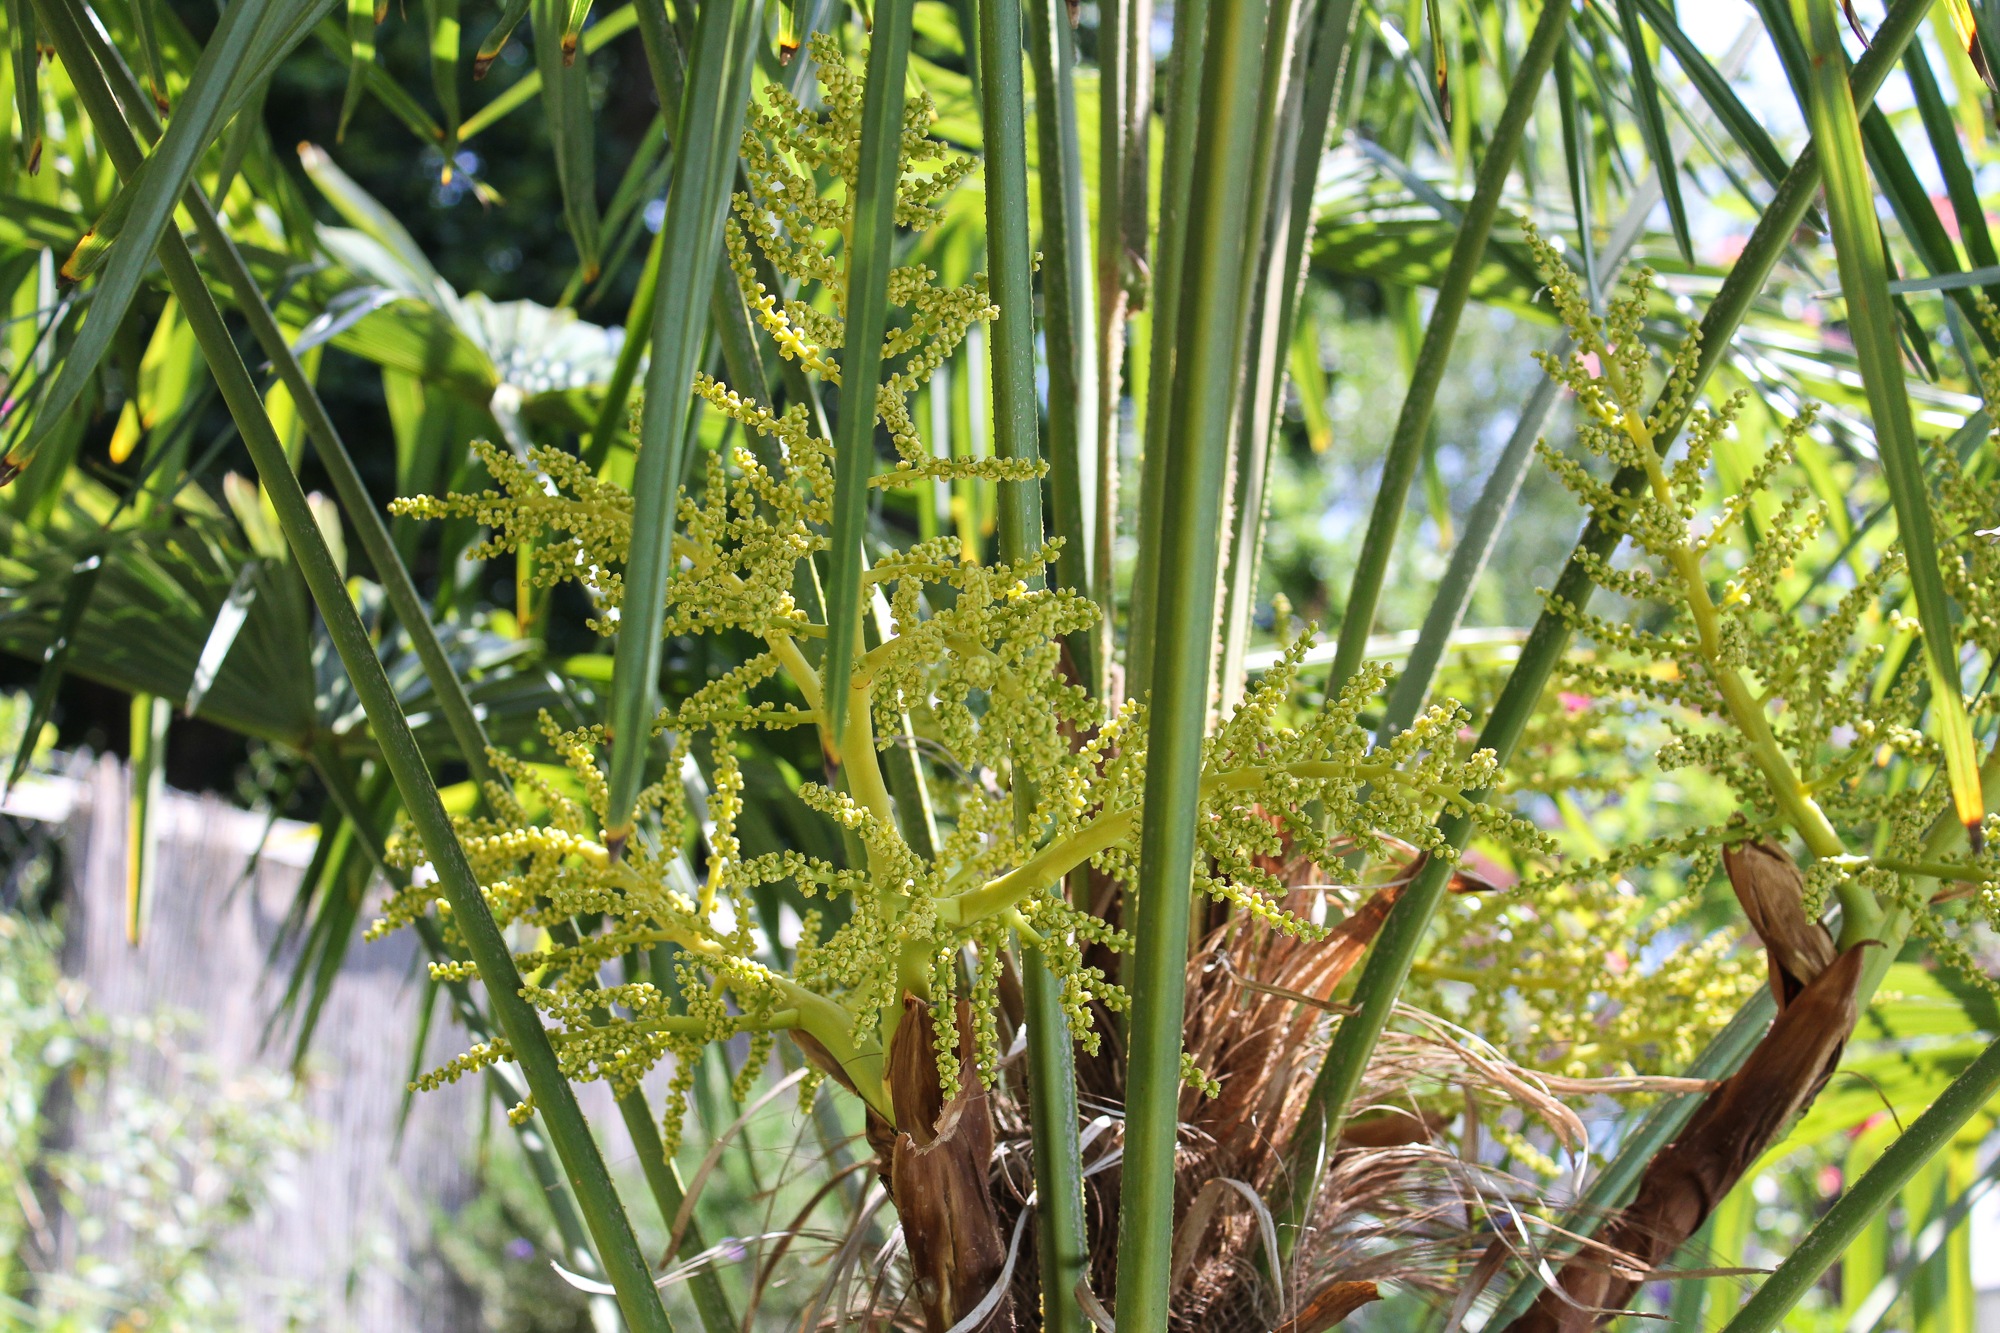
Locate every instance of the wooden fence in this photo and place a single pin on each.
(356, 1227)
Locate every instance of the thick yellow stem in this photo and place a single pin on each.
(1743, 706)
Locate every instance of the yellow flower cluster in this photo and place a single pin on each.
(1775, 680)
(1025, 778)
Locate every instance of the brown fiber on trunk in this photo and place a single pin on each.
(934, 1163)
(1256, 997)
(1814, 987)
(1257, 1005)
(1257, 1002)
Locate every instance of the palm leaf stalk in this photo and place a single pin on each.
(1209, 332)
(1183, 111)
(612, 412)
(1395, 949)
(868, 265)
(664, 62)
(1317, 78)
(1076, 465)
(1324, 55)
(1061, 1246)
(1263, 355)
(618, 1247)
(705, 146)
(1468, 251)
(1940, 1232)
(663, 1178)
(150, 713)
(1327, 62)
(1125, 114)
(1910, 203)
(226, 91)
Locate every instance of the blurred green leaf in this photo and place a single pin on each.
(157, 186)
(1858, 247)
(1653, 123)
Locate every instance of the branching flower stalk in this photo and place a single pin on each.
(1803, 724)
(975, 671)
(1778, 697)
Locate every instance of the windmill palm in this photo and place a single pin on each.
(1292, 176)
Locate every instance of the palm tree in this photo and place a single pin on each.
(916, 757)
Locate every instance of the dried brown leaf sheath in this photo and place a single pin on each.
(934, 1162)
(1772, 892)
(1255, 998)
(1741, 1118)
(1331, 1304)
(821, 1058)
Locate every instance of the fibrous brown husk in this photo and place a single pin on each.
(1396, 1202)
(1257, 1003)
(934, 1162)
(1249, 1029)
(1815, 990)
